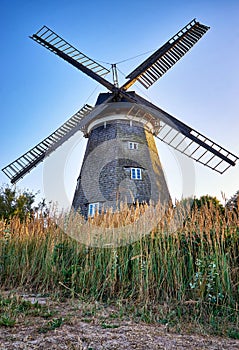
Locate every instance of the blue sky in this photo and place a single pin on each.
(39, 91)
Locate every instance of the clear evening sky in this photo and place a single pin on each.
(39, 91)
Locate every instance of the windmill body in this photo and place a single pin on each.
(121, 163)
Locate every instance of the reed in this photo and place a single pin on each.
(187, 267)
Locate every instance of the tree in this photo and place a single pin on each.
(209, 202)
(14, 202)
(233, 202)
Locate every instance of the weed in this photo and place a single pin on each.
(13, 307)
(109, 325)
(7, 321)
(51, 325)
(86, 320)
(205, 280)
(233, 333)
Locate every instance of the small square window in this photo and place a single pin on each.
(136, 173)
(133, 145)
(93, 207)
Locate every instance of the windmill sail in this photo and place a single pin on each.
(53, 42)
(198, 147)
(165, 57)
(22, 165)
(163, 125)
(187, 140)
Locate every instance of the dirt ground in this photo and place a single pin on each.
(73, 326)
(84, 336)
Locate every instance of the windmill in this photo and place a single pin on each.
(121, 161)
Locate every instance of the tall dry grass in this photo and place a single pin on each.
(190, 259)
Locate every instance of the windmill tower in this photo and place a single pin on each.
(121, 162)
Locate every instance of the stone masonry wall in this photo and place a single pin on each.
(105, 175)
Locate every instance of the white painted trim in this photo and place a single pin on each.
(92, 208)
(135, 170)
(110, 118)
(134, 145)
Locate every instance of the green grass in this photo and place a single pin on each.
(188, 275)
(51, 325)
(14, 308)
(109, 325)
(7, 321)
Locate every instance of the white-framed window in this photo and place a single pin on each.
(133, 145)
(93, 207)
(136, 173)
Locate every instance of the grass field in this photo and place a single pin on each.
(185, 272)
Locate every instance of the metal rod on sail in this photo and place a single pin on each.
(115, 75)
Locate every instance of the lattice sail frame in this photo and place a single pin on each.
(185, 139)
(56, 44)
(46, 37)
(166, 127)
(22, 165)
(154, 67)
